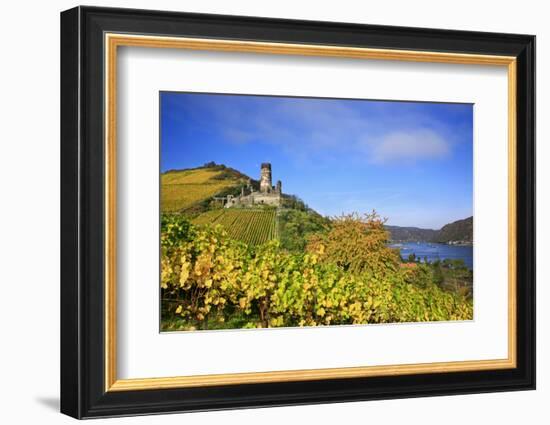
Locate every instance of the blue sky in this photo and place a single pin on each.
(410, 161)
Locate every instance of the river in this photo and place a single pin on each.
(435, 251)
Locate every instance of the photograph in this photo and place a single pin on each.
(292, 211)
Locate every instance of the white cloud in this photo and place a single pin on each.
(408, 146)
(315, 129)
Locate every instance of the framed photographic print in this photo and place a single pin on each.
(261, 212)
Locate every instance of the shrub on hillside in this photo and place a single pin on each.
(295, 226)
(356, 244)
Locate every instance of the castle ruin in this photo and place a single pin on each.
(267, 195)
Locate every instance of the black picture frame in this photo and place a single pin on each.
(83, 392)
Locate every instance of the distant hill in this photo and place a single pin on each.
(191, 190)
(411, 234)
(458, 231)
(461, 230)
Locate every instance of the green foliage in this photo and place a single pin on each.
(174, 230)
(210, 280)
(438, 276)
(295, 203)
(455, 276)
(295, 226)
(450, 274)
(198, 277)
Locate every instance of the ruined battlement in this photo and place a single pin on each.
(267, 195)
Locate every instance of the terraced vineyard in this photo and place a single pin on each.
(183, 188)
(253, 227)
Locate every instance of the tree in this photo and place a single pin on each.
(356, 244)
(295, 226)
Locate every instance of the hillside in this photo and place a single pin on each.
(458, 231)
(461, 231)
(191, 190)
(411, 234)
(252, 226)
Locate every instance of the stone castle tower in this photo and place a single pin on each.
(265, 178)
(267, 195)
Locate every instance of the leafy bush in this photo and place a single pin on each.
(356, 244)
(174, 230)
(295, 226)
(294, 202)
(198, 276)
